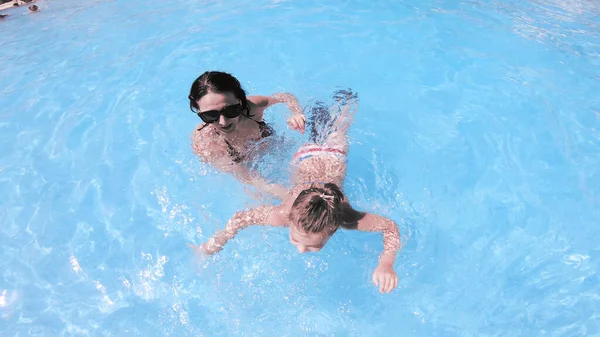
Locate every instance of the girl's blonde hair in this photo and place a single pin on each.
(318, 209)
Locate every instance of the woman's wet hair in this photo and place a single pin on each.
(318, 209)
(216, 82)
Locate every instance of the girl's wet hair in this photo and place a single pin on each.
(318, 209)
(217, 82)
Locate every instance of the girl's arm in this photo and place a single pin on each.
(391, 235)
(262, 215)
(384, 276)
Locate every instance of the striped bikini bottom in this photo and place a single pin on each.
(313, 150)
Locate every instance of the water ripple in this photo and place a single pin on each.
(489, 166)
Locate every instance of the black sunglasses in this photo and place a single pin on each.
(211, 116)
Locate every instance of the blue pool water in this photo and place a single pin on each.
(478, 132)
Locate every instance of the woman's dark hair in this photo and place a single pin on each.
(217, 82)
(318, 209)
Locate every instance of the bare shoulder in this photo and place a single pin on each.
(280, 213)
(206, 145)
(351, 217)
(258, 105)
(366, 222)
(279, 216)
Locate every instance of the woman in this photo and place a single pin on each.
(316, 207)
(233, 125)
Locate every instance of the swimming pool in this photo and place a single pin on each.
(477, 132)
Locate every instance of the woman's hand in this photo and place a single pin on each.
(385, 278)
(277, 191)
(291, 100)
(297, 122)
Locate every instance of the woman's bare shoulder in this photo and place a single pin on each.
(205, 143)
(258, 104)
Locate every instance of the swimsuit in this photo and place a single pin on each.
(321, 125)
(314, 150)
(265, 131)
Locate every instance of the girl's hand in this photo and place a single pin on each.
(385, 278)
(205, 249)
(197, 249)
(297, 122)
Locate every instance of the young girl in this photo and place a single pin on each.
(316, 207)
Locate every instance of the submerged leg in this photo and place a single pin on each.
(319, 121)
(345, 107)
(337, 118)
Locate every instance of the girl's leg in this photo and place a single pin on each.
(347, 105)
(323, 121)
(319, 120)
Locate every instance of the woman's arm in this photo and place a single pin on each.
(262, 215)
(264, 102)
(216, 155)
(297, 121)
(253, 178)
